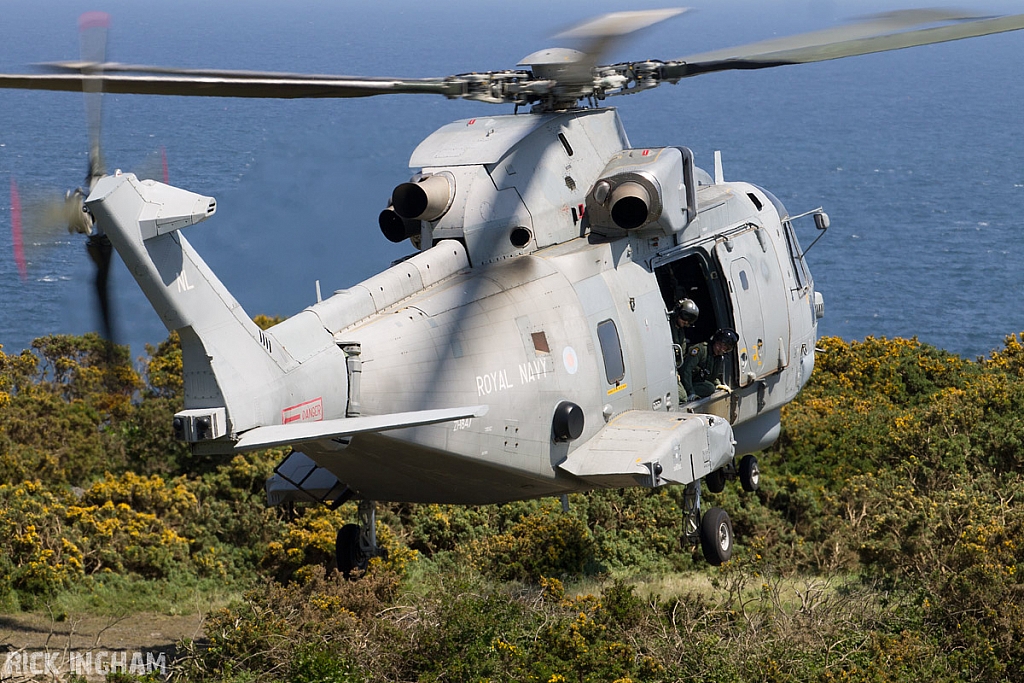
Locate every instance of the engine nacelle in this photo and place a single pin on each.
(425, 198)
(643, 189)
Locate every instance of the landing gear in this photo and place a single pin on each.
(716, 537)
(347, 551)
(712, 530)
(357, 543)
(716, 481)
(750, 473)
(691, 514)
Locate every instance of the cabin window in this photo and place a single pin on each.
(611, 349)
(540, 342)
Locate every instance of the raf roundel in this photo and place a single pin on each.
(569, 360)
(694, 351)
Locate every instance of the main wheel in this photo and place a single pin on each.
(750, 473)
(715, 481)
(716, 536)
(346, 549)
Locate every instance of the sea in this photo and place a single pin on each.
(916, 155)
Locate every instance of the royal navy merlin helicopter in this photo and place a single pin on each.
(525, 349)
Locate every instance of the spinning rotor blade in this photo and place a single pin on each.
(93, 39)
(875, 34)
(556, 79)
(233, 84)
(93, 35)
(100, 251)
(16, 235)
(557, 84)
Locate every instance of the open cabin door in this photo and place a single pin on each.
(760, 308)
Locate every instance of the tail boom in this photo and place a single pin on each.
(229, 363)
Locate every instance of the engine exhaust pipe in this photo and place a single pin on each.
(630, 205)
(396, 228)
(425, 200)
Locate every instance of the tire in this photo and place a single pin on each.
(715, 481)
(716, 536)
(750, 474)
(346, 549)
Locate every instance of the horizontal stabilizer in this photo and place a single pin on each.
(653, 448)
(305, 432)
(298, 479)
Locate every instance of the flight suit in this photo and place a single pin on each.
(701, 371)
(679, 338)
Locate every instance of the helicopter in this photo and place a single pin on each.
(525, 349)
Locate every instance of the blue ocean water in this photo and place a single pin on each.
(916, 155)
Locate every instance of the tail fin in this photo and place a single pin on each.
(229, 362)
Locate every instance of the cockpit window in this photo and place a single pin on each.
(803, 278)
(796, 255)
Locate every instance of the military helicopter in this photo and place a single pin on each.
(525, 349)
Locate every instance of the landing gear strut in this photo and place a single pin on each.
(357, 543)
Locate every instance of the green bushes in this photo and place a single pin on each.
(883, 545)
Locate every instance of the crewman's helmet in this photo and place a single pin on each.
(687, 311)
(726, 336)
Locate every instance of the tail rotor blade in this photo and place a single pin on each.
(100, 251)
(93, 34)
(16, 233)
(92, 28)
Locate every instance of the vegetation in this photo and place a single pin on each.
(883, 545)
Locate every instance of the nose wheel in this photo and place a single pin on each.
(750, 474)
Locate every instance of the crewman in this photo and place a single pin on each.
(684, 315)
(703, 368)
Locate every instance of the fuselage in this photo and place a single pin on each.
(583, 321)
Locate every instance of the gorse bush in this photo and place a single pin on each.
(883, 545)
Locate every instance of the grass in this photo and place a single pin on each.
(112, 594)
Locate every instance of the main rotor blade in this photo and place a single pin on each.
(557, 79)
(874, 35)
(269, 86)
(600, 34)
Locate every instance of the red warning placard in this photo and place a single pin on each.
(310, 411)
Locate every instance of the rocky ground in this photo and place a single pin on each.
(37, 646)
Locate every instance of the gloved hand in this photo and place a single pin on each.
(692, 397)
(724, 388)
